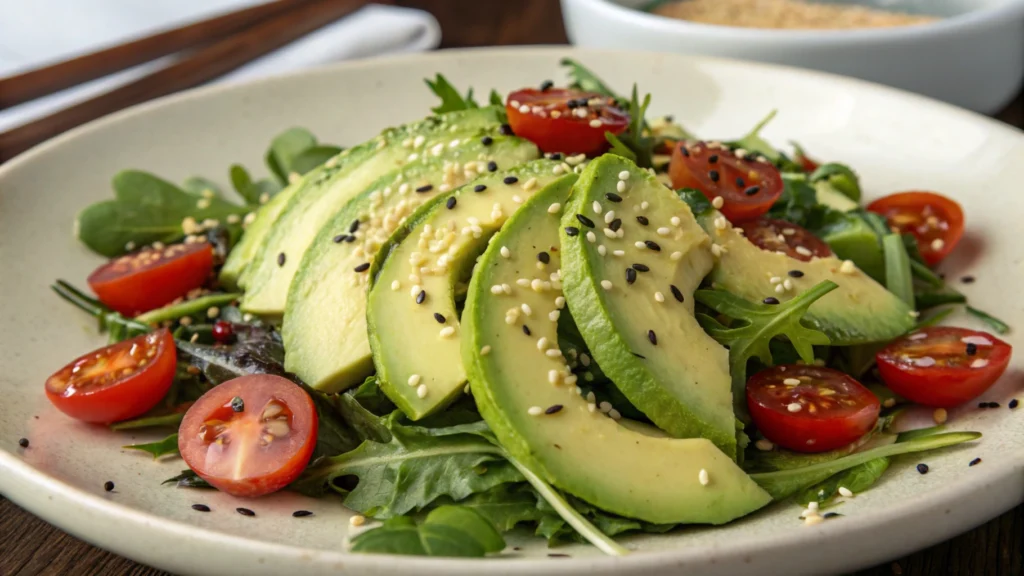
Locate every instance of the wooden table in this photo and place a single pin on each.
(30, 546)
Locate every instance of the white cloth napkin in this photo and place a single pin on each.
(36, 33)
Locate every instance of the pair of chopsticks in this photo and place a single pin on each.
(217, 45)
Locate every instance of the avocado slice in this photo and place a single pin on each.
(620, 466)
(858, 312)
(269, 276)
(416, 345)
(324, 327)
(629, 281)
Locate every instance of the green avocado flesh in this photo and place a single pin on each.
(578, 448)
(416, 345)
(268, 277)
(859, 311)
(325, 324)
(619, 286)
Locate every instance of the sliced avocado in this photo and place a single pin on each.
(325, 319)
(415, 341)
(853, 239)
(859, 311)
(829, 196)
(531, 404)
(629, 281)
(269, 276)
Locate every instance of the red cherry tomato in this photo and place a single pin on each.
(563, 120)
(118, 382)
(936, 221)
(781, 236)
(250, 436)
(943, 366)
(149, 279)
(748, 187)
(810, 408)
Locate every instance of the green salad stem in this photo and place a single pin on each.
(190, 308)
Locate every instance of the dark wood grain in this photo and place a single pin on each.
(29, 546)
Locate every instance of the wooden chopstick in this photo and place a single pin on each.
(204, 65)
(40, 82)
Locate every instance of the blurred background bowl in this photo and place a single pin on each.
(972, 57)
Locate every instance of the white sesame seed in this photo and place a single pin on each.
(535, 411)
(414, 380)
(791, 382)
(357, 520)
(716, 250)
(676, 256)
(847, 267)
(447, 332)
(604, 407)
(609, 216)
(938, 244)
(803, 251)
(794, 407)
(702, 477)
(606, 284)
(620, 187)
(596, 206)
(764, 445)
(591, 398)
(779, 289)
(552, 352)
(203, 203)
(609, 233)
(595, 123)
(813, 520)
(812, 506)
(542, 343)
(537, 284)
(664, 231)
(619, 253)
(979, 363)
(602, 250)
(889, 402)
(421, 391)
(659, 296)
(418, 141)
(675, 221)
(787, 284)
(591, 236)
(212, 312)
(560, 302)
(554, 208)
(775, 280)
(718, 202)
(845, 492)
(640, 245)
(496, 289)
(553, 315)
(524, 109)
(524, 282)
(485, 350)
(554, 376)
(505, 253)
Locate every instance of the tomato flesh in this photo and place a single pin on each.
(943, 366)
(250, 436)
(810, 408)
(152, 278)
(564, 120)
(118, 382)
(936, 221)
(747, 187)
(780, 236)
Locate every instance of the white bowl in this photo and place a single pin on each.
(974, 58)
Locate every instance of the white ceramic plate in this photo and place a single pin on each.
(895, 140)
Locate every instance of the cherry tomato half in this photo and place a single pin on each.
(118, 382)
(943, 366)
(781, 236)
(936, 221)
(250, 436)
(563, 120)
(135, 283)
(810, 408)
(748, 187)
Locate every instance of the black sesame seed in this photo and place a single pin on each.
(615, 224)
(421, 296)
(967, 279)
(1013, 405)
(350, 239)
(771, 300)
(972, 349)
(487, 140)
(795, 274)
(630, 275)
(425, 188)
(740, 183)
(982, 405)
(643, 220)
(572, 104)
(544, 257)
(676, 292)
(353, 227)
(479, 188)
(526, 330)
(684, 151)
(651, 244)
(752, 190)
(640, 356)
(108, 486)
(505, 130)
(510, 180)
(362, 267)
(713, 158)
(245, 512)
(612, 196)
(492, 166)
(301, 513)
(23, 442)
(652, 337)
(280, 259)
(553, 409)
(200, 507)
(558, 555)
(546, 85)
(922, 468)
(975, 462)
(585, 221)
(993, 404)
(572, 230)
(237, 404)
(668, 117)
(340, 238)
(828, 515)
(713, 174)
(451, 202)
(641, 268)
(439, 317)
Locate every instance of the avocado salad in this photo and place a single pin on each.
(548, 313)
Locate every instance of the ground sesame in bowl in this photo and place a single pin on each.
(786, 14)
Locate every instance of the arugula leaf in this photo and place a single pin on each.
(840, 177)
(285, 148)
(118, 326)
(898, 279)
(165, 447)
(752, 141)
(783, 484)
(495, 99)
(634, 143)
(856, 480)
(451, 100)
(755, 325)
(170, 420)
(619, 148)
(581, 78)
(996, 324)
(452, 531)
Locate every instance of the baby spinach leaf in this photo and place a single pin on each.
(448, 531)
(202, 187)
(753, 327)
(398, 535)
(469, 521)
(165, 447)
(997, 325)
(840, 177)
(451, 100)
(254, 192)
(284, 148)
(507, 505)
(313, 157)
